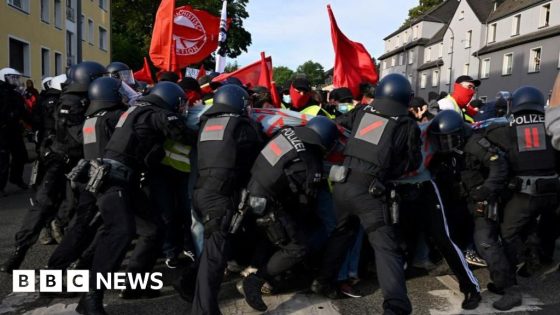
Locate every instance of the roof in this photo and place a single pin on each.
(431, 64)
(509, 7)
(421, 41)
(443, 11)
(438, 37)
(481, 8)
(527, 38)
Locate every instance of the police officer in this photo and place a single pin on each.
(135, 147)
(483, 174)
(65, 151)
(12, 110)
(102, 115)
(121, 71)
(228, 144)
(282, 192)
(384, 144)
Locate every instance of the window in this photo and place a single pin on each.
(423, 80)
(70, 12)
(69, 48)
(83, 27)
(440, 53)
(485, 69)
(415, 32)
(398, 41)
(544, 19)
(19, 56)
(507, 65)
(429, 54)
(401, 59)
(58, 14)
(45, 11)
(435, 78)
(468, 38)
(492, 33)
(103, 38)
(535, 60)
(22, 5)
(103, 4)
(405, 37)
(393, 61)
(45, 62)
(410, 57)
(466, 67)
(90, 31)
(461, 15)
(57, 63)
(384, 64)
(515, 25)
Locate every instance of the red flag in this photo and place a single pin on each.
(249, 75)
(144, 74)
(162, 35)
(201, 72)
(265, 80)
(196, 33)
(352, 64)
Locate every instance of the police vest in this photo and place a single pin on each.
(371, 139)
(315, 110)
(70, 117)
(177, 156)
(95, 138)
(285, 148)
(529, 148)
(217, 146)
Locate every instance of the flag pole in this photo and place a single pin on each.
(220, 51)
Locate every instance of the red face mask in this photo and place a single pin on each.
(193, 96)
(462, 95)
(298, 100)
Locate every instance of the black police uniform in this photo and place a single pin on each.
(12, 110)
(228, 144)
(286, 174)
(384, 144)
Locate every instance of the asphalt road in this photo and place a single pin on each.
(429, 294)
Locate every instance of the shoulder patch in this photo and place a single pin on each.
(89, 130)
(276, 149)
(371, 128)
(214, 129)
(124, 116)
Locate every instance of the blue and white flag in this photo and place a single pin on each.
(221, 51)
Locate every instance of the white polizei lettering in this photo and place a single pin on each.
(529, 119)
(290, 134)
(138, 281)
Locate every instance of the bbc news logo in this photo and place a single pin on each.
(79, 281)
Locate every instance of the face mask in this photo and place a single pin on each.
(343, 108)
(298, 100)
(286, 99)
(462, 95)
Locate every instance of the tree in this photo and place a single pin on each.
(422, 8)
(313, 71)
(230, 67)
(281, 75)
(132, 22)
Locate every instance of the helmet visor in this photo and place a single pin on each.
(448, 143)
(127, 76)
(13, 79)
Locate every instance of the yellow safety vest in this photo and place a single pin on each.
(315, 109)
(458, 109)
(177, 156)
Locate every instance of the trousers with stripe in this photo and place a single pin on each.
(422, 210)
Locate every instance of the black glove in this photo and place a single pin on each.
(481, 193)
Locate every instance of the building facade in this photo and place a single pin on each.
(43, 37)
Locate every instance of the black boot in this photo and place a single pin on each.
(15, 260)
(252, 288)
(471, 301)
(91, 303)
(510, 299)
(492, 287)
(186, 284)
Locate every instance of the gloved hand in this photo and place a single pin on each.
(213, 222)
(481, 193)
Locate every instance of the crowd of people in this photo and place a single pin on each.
(381, 178)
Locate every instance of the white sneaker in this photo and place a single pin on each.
(473, 259)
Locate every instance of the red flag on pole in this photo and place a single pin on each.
(162, 35)
(249, 75)
(201, 72)
(265, 80)
(352, 64)
(144, 74)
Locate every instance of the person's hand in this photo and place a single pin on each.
(555, 97)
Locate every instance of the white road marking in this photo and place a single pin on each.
(293, 304)
(56, 309)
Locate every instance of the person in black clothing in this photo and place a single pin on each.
(65, 151)
(384, 144)
(12, 111)
(135, 146)
(282, 192)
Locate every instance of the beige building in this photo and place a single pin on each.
(42, 38)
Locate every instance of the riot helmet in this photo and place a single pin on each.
(121, 71)
(10, 76)
(233, 97)
(58, 82)
(393, 95)
(171, 94)
(46, 83)
(319, 131)
(232, 80)
(87, 71)
(447, 130)
(104, 93)
(527, 98)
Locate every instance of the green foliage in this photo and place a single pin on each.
(281, 75)
(132, 22)
(313, 71)
(230, 67)
(421, 9)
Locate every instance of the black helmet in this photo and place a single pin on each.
(103, 93)
(86, 72)
(324, 132)
(448, 130)
(527, 98)
(121, 71)
(233, 97)
(171, 94)
(393, 95)
(232, 80)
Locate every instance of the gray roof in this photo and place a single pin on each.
(509, 7)
(431, 64)
(481, 8)
(421, 41)
(438, 37)
(527, 38)
(443, 12)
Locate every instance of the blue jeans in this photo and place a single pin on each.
(197, 228)
(349, 268)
